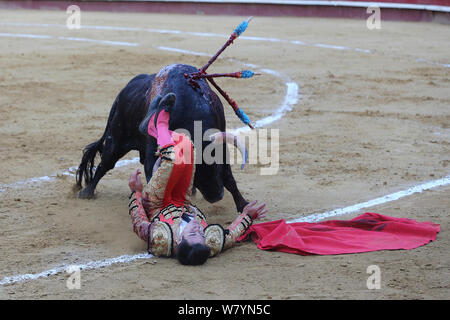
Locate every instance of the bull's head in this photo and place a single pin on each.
(210, 178)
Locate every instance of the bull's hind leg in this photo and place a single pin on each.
(112, 152)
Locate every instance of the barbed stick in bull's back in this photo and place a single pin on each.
(239, 74)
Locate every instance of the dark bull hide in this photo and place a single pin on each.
(121, 134)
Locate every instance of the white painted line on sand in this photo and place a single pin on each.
(214, 35)
(70, 172)
(23, 35)
(39, 36)
(371, 203)
(85, 266)
(186, 33)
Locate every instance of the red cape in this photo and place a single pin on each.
(367, 232)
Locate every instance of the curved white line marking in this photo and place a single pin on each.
(291, 98)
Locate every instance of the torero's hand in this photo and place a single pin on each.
(255, 211)
(135, 183)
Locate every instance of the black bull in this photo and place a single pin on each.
(121, 134)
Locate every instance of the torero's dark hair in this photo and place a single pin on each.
(192, 254)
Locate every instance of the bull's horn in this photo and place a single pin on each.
(222, 137)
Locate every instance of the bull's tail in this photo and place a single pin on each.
(86, 168)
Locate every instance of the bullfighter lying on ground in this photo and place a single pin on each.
(163, 215)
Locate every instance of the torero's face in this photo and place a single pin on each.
(193, 233)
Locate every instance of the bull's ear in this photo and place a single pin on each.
(168, 101)
(155, 102)
(143, 126)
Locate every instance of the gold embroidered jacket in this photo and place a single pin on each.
(160, 228)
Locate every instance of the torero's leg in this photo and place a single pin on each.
(179, 187)
(156, 187)
(172, 181)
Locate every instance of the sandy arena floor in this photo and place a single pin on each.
(367, 124)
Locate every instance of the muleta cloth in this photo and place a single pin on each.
(367, 232)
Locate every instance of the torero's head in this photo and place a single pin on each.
(192, 249)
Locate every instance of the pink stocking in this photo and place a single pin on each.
(162, 133)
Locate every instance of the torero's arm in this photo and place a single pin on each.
(237, 229)
(157, 234)
(219, 239)
(139, 218)
(136, 209)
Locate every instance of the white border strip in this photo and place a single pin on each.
(359, 4)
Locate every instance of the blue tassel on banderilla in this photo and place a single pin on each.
(244, 74)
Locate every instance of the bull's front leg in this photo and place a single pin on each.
(230, 184)
(150, 158)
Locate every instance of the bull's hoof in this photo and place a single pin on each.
(85, 194)
(240, 207)
(213, 199)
